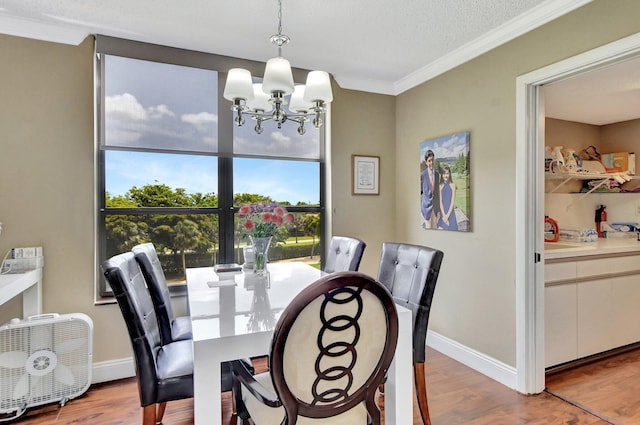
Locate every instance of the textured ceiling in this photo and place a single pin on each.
(381, 46)
(603, 96)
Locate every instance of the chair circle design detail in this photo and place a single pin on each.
(338, 349)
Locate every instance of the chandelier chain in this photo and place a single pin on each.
(279, 39)
(279, 17)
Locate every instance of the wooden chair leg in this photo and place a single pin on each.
(421, 392)
(149, 415)
(160, 413)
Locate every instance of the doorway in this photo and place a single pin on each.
(530, 202)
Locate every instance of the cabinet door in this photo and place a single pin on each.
(608, 314)
(560, 322)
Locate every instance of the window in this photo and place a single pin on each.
(174, 170)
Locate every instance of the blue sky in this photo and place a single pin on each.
(447, 146)
(293, 181)
(142, 110)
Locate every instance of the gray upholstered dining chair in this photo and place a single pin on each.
(345, 254)
(172, 328)
(331, 349)
(164, 371)
(410, 272)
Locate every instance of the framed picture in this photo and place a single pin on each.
(445, 189)
(365, 175)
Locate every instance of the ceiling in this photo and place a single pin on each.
(379, 46)
(603, 96)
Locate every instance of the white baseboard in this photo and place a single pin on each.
(112, 370)
(507, 375)
(494, 369)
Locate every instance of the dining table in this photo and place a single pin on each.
(233, 315)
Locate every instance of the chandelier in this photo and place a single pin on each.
(264, 102)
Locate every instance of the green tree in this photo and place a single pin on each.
(159, 195)
(186, 236)
(124, 232)
(250, 198)
(311, 227)
(168, 232)
(298, 221)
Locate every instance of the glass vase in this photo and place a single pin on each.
(260, 251)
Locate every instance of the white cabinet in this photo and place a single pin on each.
(591, 305)
(560, 324)
(608, 314)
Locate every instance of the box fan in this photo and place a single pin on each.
(44, 359)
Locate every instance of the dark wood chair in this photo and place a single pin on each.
(410, 272)
(172, 328)
(164, 371)
(331, 349)
(345, 254)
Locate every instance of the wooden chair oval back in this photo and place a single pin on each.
(333, 346)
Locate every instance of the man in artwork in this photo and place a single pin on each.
(429, 193)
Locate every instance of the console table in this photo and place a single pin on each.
(29, 284)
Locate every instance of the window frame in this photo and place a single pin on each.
(225, 210)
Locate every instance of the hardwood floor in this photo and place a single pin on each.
(457, 395)
(609, 387)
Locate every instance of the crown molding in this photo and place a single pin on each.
(39, 31)
(536, 17)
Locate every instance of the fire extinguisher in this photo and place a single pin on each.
(601, 217)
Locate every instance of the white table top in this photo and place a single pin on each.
(27, 283)
(235, 318)
(246, 303)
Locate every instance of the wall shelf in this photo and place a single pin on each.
(602, 177)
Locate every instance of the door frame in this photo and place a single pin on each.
(530, 363)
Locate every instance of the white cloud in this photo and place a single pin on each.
(125, 106)
(280, 142)
(201, 120)
(160, 111)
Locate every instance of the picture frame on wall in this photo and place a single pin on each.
(365, 175)
(445, 183)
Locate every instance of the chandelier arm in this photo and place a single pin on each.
(299, 118)
(258, 115)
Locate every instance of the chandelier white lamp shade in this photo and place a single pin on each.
(278, 76)
(264, 102)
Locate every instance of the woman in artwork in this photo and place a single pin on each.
(447, 200)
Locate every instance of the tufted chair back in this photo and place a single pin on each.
(170, 328)
(128, 285)
(410, 272)
(344, 254)
(164, 372)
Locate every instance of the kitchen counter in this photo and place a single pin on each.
(603, 247)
